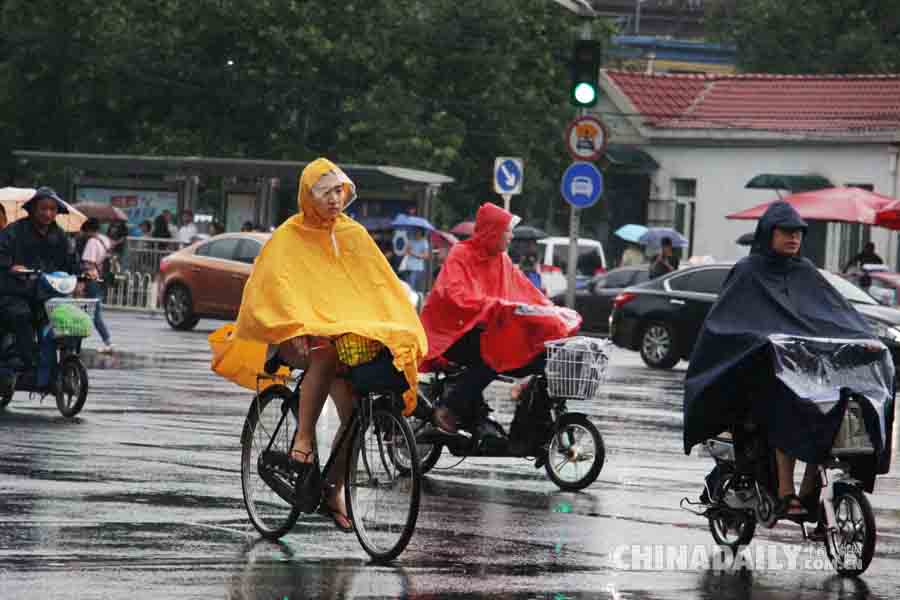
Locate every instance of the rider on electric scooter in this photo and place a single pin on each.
(34, 243)
(732, 379)
(485, 314)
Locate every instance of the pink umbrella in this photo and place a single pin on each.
(846, 204)
(464, 230)
(443, 239)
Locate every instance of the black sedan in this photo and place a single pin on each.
(594, 301)
(662, 318)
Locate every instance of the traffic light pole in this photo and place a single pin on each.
(574, 228)
(575, 215)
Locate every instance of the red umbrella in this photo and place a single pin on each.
(889, 216)
(847, 204)
(464, 229)
(102, 212)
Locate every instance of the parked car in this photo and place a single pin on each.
(662, 318)
(555, 261)
(206, 279)
(594, 301)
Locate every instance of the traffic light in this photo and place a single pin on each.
(586, 61)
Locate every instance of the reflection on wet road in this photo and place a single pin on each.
(140, 497)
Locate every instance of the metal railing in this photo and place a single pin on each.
(132, 289)
(143, 254)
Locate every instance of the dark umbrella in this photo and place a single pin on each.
(527, 232)
(746, 239)
(102, 212)
(655, 235)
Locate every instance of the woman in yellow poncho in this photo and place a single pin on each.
(319, 277)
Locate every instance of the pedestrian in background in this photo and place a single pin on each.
(216, 228)
(161, 226)
(97, 249)
(416, 254)
(632, 256)
(247, 227)
(665, 262)
(188, 230)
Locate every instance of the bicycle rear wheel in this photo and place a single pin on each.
(382, 494)
(271, 514)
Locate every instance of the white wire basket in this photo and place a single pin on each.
(71, 317)
(576, 366)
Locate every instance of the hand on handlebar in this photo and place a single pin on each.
(21, 269)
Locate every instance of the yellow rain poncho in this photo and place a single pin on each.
(323, 278)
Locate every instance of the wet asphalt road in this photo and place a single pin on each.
(140, 497)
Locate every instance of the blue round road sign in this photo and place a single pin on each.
(508, 176)
(582, 184)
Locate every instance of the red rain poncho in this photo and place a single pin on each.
(478, 288)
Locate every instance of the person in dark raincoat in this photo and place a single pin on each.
(730, 378)
(33, 243)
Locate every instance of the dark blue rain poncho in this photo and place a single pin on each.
(731, 374)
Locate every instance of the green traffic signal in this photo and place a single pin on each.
(586, 59)
(585, 94)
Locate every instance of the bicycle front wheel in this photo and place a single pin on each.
(383, 493)
(270, 419)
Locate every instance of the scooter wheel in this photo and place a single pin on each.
(575, 453)
(851, 548)
(72, 386)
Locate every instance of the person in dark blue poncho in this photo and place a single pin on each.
(772, 291)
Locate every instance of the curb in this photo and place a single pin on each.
(133, 309)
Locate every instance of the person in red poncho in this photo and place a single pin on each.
(485, 314)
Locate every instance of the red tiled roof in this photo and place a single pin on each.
(791, 103)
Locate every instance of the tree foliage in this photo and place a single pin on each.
(814, 36)
(443, 85)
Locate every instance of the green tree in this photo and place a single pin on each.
(816, 36)
(443, 85)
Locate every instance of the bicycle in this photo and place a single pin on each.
(382, 488)
(566, 444)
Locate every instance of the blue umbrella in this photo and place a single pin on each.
(655, 235)
(413, 222)
(631, 233)
(375, 223)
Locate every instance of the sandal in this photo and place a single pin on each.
(341, 521)
(308, 485)
(790, 507)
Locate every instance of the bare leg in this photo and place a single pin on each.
(313, 392)
(785, 467)
(785, 473)
(342, 395)
(810, 482)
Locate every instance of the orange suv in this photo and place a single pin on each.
(206, 280)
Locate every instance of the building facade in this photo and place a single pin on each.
(712, 134)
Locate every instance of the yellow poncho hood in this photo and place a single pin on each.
(325, 278)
